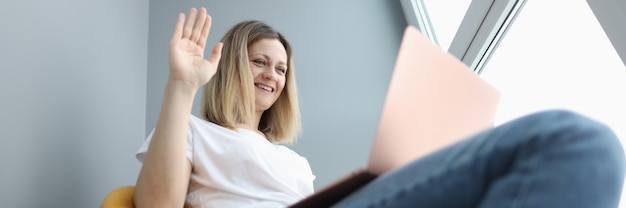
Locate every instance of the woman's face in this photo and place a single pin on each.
(268, 63)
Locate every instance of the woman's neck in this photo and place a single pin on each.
(254, 126)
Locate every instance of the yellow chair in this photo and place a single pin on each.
(121, 197)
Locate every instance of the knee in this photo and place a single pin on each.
(574, 125)
(579, 148)
(570, 122)
(565, 118)
(584, 134)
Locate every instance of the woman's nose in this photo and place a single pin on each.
(269, 74)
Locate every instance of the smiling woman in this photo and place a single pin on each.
(233, 97)
(269, 60)
(250, 105)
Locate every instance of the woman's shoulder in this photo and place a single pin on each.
(200, 127)
(204, 129)
(197, 122)
(288, 150)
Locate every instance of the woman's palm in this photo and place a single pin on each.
(186, 53)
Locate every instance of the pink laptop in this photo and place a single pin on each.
(433, 100)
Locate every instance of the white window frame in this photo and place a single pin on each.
(416, 14)
(612, 14)
(483, 27)
(486, 22)
(480, 32)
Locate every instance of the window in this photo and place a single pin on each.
(553, 56)
(446, 16)
(559, 57)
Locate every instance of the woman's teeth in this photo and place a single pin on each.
(264, 87)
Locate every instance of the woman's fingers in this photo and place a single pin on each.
(204, 34)
(194, 28)
(198, 26)
(189, 23)
(178, 29)
(216, 54)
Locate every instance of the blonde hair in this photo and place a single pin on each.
(229, 95)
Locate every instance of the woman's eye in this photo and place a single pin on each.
(281, 70)
(260, 62)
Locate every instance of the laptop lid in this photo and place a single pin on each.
(433, 100)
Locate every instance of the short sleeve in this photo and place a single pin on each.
(141, 153)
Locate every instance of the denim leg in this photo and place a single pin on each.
(547, 159)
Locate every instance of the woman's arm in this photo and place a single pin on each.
(165, 172)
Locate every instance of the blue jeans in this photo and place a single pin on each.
(548, 159)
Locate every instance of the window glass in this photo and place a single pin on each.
(557, 56)
(446, 16)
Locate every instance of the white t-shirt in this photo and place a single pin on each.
(240, 168)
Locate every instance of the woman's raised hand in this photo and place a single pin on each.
(186, 51)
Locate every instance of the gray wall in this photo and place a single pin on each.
(74, 106)
(72, 99)
(344, 54)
